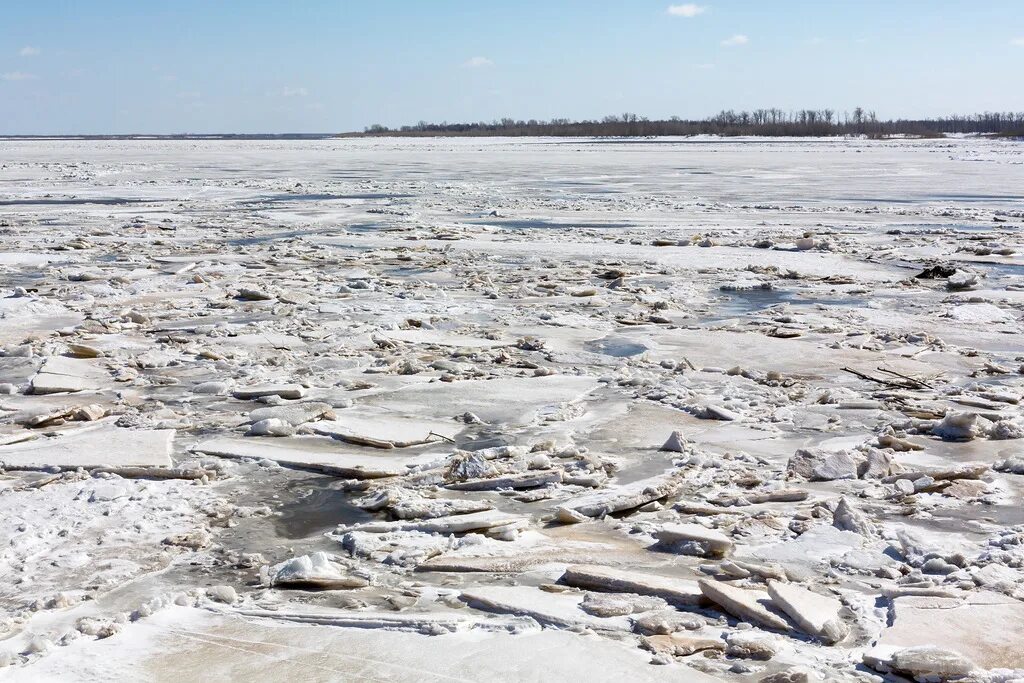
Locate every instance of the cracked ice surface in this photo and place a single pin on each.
(490, 409)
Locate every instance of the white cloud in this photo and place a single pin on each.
(816, 41)
(689, 10)
(29, 51)
(738, 39)
(17, 76)
(1017, 41)
(477, 63)
(705, 66)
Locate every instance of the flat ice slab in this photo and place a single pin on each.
(442, 338)
(985, 627)
(324, 455)
(59, 374)
(93, 447)
(508, 400)
(384, 430)
(178, 645)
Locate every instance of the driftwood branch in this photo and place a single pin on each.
(884, 382)
(441, 436)
(919, 382)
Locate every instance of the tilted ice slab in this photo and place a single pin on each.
(748, 605)
(561, 610)
(93, 447)
(625, 497)
(320, 454)
(816, 614)
(450, 524)
(672, 590)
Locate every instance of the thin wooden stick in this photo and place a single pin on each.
(907, 377)
(441, 436)
(875, 379)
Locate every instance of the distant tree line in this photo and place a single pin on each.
(767, 122)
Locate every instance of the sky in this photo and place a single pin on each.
(125, 66)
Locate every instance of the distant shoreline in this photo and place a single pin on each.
(651, 138)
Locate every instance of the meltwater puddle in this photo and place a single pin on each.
(618, 347)
(316, 508)
(752, 301)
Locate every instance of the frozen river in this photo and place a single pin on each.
(511, 409)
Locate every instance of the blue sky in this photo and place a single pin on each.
(119, 66)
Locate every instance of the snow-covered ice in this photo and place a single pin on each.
(512, 409)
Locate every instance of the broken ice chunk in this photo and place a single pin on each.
(317, 571)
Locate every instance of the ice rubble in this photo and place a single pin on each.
(741, 435)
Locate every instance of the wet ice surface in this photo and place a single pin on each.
(313, 507)
(615, 346)
(72, 201)
(601, 402)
